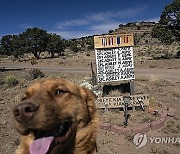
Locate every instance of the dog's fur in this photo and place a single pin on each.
(73, 103)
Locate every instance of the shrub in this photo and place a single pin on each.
(111, 31)
(2, 82)
(11, 81)
(33, 62)
(74, 47)
(88, 54)
(129, 138)
(177, 92)
(36, 73)
(138, 27)
(170, 128)
(178, 54)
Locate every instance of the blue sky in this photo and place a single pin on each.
(75, 18)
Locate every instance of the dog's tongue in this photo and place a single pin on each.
(41, 145)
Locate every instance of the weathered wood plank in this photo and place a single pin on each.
(113, 41)
(118, 102)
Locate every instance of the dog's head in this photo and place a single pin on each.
(54, 111)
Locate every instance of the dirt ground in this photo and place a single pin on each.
(162, 90)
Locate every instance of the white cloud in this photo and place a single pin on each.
(96, 23)
(110, 15)
(91, 30)
(25, 25)
(71, 23)
(153, 19)
(156, 20)
(73, 34)
(100, 16)
(104, 27)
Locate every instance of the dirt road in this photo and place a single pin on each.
(156, 73)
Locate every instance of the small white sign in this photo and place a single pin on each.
(114, 64)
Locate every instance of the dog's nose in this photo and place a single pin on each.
(25, 111)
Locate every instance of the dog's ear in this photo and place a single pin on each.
(89, 98)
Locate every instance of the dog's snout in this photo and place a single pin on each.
(25, 111)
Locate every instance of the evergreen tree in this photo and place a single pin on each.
(168, 28)
(36, 40)
(55, 45)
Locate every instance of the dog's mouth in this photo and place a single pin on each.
(46, 141)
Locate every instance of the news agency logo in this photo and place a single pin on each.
(141, 140)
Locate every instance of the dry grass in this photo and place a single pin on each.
(36, 73)
(171, 128)
(156, 150)
(153, 79)
(176, 92)
(129, 138)
(142, 78)
(114, 93)
(160, 82)
(11, 80)
(147, 119)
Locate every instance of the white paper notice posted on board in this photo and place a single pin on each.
(114, 64)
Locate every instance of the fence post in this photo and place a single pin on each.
(131, 87)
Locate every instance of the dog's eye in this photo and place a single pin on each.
(59, 92)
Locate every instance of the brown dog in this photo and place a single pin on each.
(56, 117)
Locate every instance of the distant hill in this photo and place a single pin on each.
(136, 27)
(145, 44)
(141, 30)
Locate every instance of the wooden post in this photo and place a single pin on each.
(131, 87)
(93, 74)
